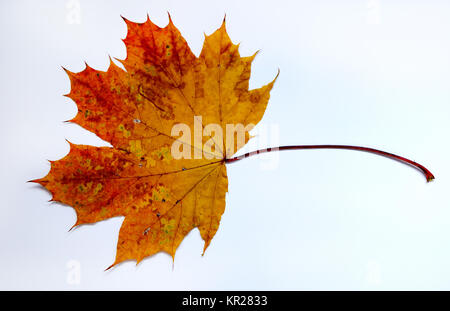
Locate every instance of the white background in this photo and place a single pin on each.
(371, 73)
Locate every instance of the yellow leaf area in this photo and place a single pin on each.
(164, 84)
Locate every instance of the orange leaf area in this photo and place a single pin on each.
(161, 197)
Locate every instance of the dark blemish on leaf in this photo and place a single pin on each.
(163, 200)
(158, 214)
(255, 97)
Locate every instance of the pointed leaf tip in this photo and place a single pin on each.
(276, 77)
(109, 267)
(39, 181)
(68, 72)
(205, 247)
(70, 143)
(74, 226)
(223, 25)
(87, 67)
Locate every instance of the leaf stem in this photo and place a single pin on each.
(428, 175)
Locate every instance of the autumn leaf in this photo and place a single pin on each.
(162, 180)
(165, 84)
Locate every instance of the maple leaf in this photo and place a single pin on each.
(162, 198)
